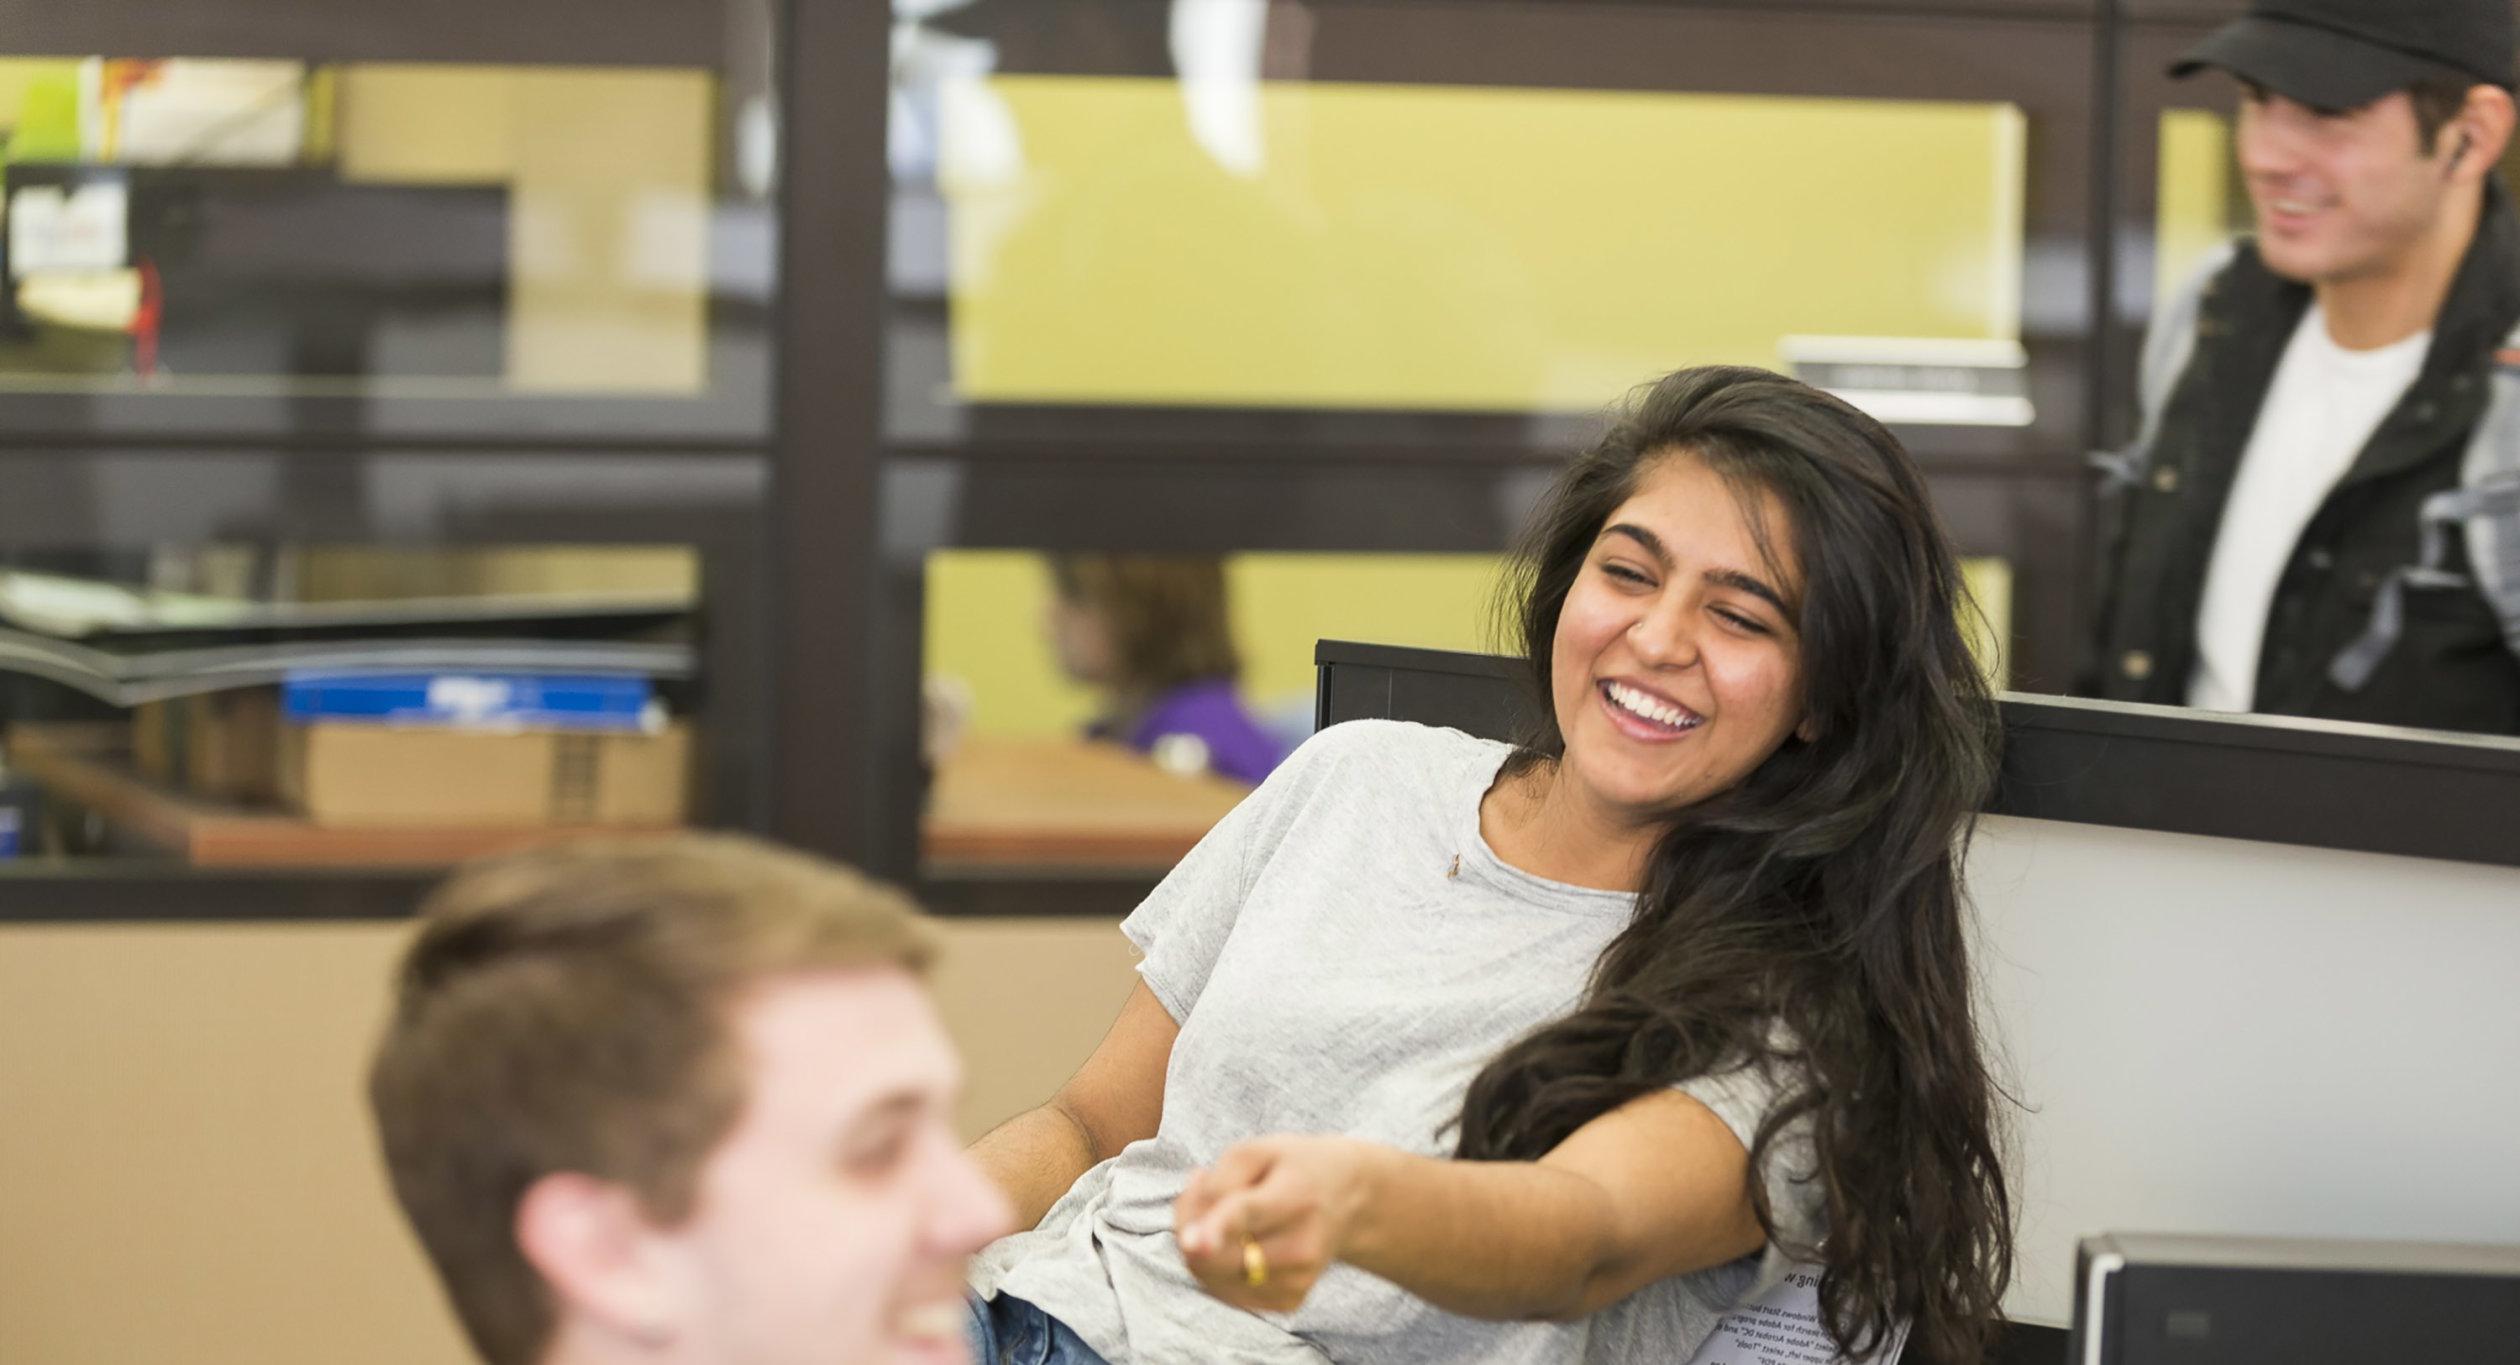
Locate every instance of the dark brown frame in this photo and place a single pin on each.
(1054, 477)
(113, 471)
(815, 572)
(733, 410)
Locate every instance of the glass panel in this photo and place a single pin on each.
(1074, 718)
(383, 230)
(1990, 583)
(1125, 241)
(1102, 710)
(1232, 235)
(2201, 202)
(239, 706)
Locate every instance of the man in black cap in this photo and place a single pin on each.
(2307, 523)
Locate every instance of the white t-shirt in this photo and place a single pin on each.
(2320, 411)
(1344, 953)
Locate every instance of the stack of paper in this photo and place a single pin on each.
(126, 645)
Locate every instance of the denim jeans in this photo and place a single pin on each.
(1006, 1330)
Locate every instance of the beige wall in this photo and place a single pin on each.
(1027, 1000)
(186, 1173)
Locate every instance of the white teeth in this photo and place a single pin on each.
(932, 1321)
(1644, 704)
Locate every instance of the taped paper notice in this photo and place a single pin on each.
(56, 229)
(1782, 1327)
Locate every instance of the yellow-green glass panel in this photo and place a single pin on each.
(39, 99)
(1467, 248)
(2194, 212)
(1990, 584)
(1285, 602)
(984, 629)
(601, 283)
(985, 610)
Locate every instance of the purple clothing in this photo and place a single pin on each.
(1209, 712)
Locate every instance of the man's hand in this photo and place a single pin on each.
(1260, 1226)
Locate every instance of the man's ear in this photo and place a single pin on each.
(603, 1259)
(2479, 133)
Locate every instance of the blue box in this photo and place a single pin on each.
(474, 701)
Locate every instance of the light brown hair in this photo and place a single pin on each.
(1166, 613)
(566, 1009)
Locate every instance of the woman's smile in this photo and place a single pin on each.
(1647, 715)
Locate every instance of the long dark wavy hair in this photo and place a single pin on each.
(1808, 921)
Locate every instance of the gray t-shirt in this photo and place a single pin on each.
(1344, 953)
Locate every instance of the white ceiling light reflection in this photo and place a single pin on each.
(1216, 46)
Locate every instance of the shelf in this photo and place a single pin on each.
(88, 765)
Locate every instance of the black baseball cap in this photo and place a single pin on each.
(2342, 54)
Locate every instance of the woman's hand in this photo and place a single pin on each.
(1295, 1199)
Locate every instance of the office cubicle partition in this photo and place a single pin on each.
(2243, 975)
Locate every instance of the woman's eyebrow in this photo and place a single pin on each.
(1730, 578)
(1652, 543)
(1756, 587)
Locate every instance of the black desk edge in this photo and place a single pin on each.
(2275, 779)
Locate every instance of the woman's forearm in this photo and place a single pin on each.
(1486, 1239)
(1655, 1188)
(1034, 1157)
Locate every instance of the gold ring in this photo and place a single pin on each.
(1255, 1263)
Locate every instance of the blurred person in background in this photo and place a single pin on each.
(682, 1102)
(2321, 516)
(1151, 634)
(1452, 1050)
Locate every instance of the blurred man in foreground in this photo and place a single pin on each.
(681, 1100)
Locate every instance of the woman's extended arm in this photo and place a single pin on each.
(1656, 1188)
(1115, 1099)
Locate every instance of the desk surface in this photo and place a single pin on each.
(1067, 802)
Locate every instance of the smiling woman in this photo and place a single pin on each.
(1573, 1046)
(1677, 662)
(1763, 718)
